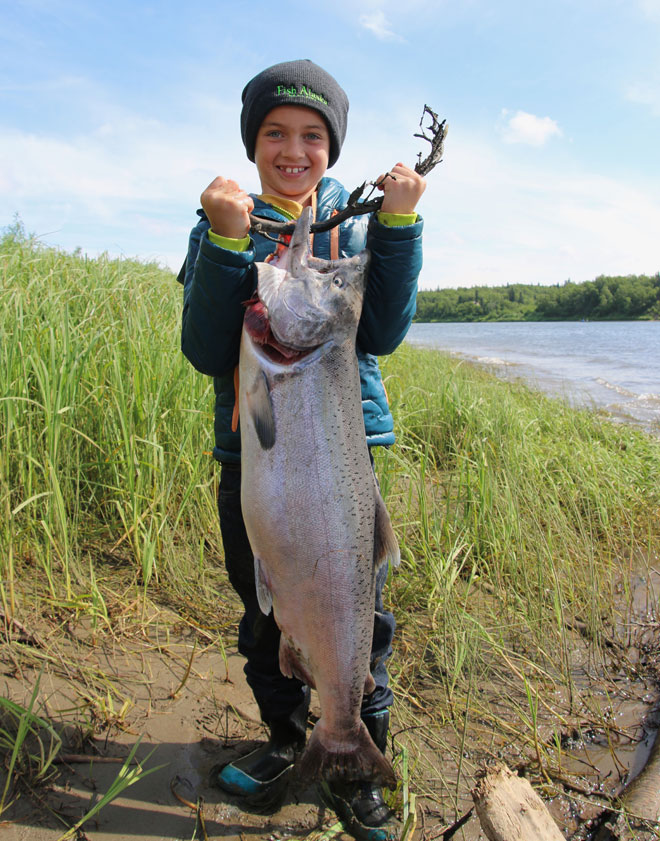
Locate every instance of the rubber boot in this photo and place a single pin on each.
(260, 779)
(360, 805)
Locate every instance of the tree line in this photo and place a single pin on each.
(605, 298)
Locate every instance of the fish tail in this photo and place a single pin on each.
(352, 760)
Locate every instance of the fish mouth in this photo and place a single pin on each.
(258, 327)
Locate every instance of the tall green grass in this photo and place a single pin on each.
(535, 497)
(520, 520)
(105, 429)
(106, 434)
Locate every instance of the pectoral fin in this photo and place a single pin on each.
(264, 596)
(386, 546)
(260, 407)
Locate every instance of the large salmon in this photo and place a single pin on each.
(318, 527)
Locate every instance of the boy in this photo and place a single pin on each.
(293, 124)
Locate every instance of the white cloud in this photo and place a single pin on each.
(131, 185)
(491, 220)
(528, 128)
(377, 23)
(650, 8)
(645, 93)
(134, 164)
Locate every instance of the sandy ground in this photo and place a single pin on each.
(118, 690)
(188, 703)
(212, 719)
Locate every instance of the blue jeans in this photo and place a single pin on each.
(259, 636)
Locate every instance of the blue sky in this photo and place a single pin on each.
(115, 116)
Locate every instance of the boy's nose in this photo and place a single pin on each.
(293, 148)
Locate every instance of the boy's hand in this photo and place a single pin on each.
(402, 194)
(227, 207)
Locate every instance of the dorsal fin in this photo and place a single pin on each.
(299, 245)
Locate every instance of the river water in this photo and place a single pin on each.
(611, 365)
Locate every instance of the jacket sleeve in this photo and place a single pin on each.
(216, 285)
(391, 294)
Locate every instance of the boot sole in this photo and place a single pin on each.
(260, 797)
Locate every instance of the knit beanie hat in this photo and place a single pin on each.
(294, 83)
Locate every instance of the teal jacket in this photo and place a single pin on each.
(217, 282)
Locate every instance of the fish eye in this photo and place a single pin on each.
(338, 281)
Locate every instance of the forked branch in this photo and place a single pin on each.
(438, 132)
(434, 134)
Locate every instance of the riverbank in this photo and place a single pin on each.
(605, 366)
(522, 525)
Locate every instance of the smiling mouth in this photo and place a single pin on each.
(293, 170)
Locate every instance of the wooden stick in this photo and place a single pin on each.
(510, 810)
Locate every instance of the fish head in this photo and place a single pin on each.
(310, 301)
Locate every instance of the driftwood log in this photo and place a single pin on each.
(510, 810)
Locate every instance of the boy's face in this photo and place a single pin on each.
(291, 152)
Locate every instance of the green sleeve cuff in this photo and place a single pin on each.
(396, 220)
(230, 243)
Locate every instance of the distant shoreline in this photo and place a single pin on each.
(526, 320)
(621, 298)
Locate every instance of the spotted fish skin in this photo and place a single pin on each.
(318, 527)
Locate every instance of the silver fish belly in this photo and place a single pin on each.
(316, 521)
